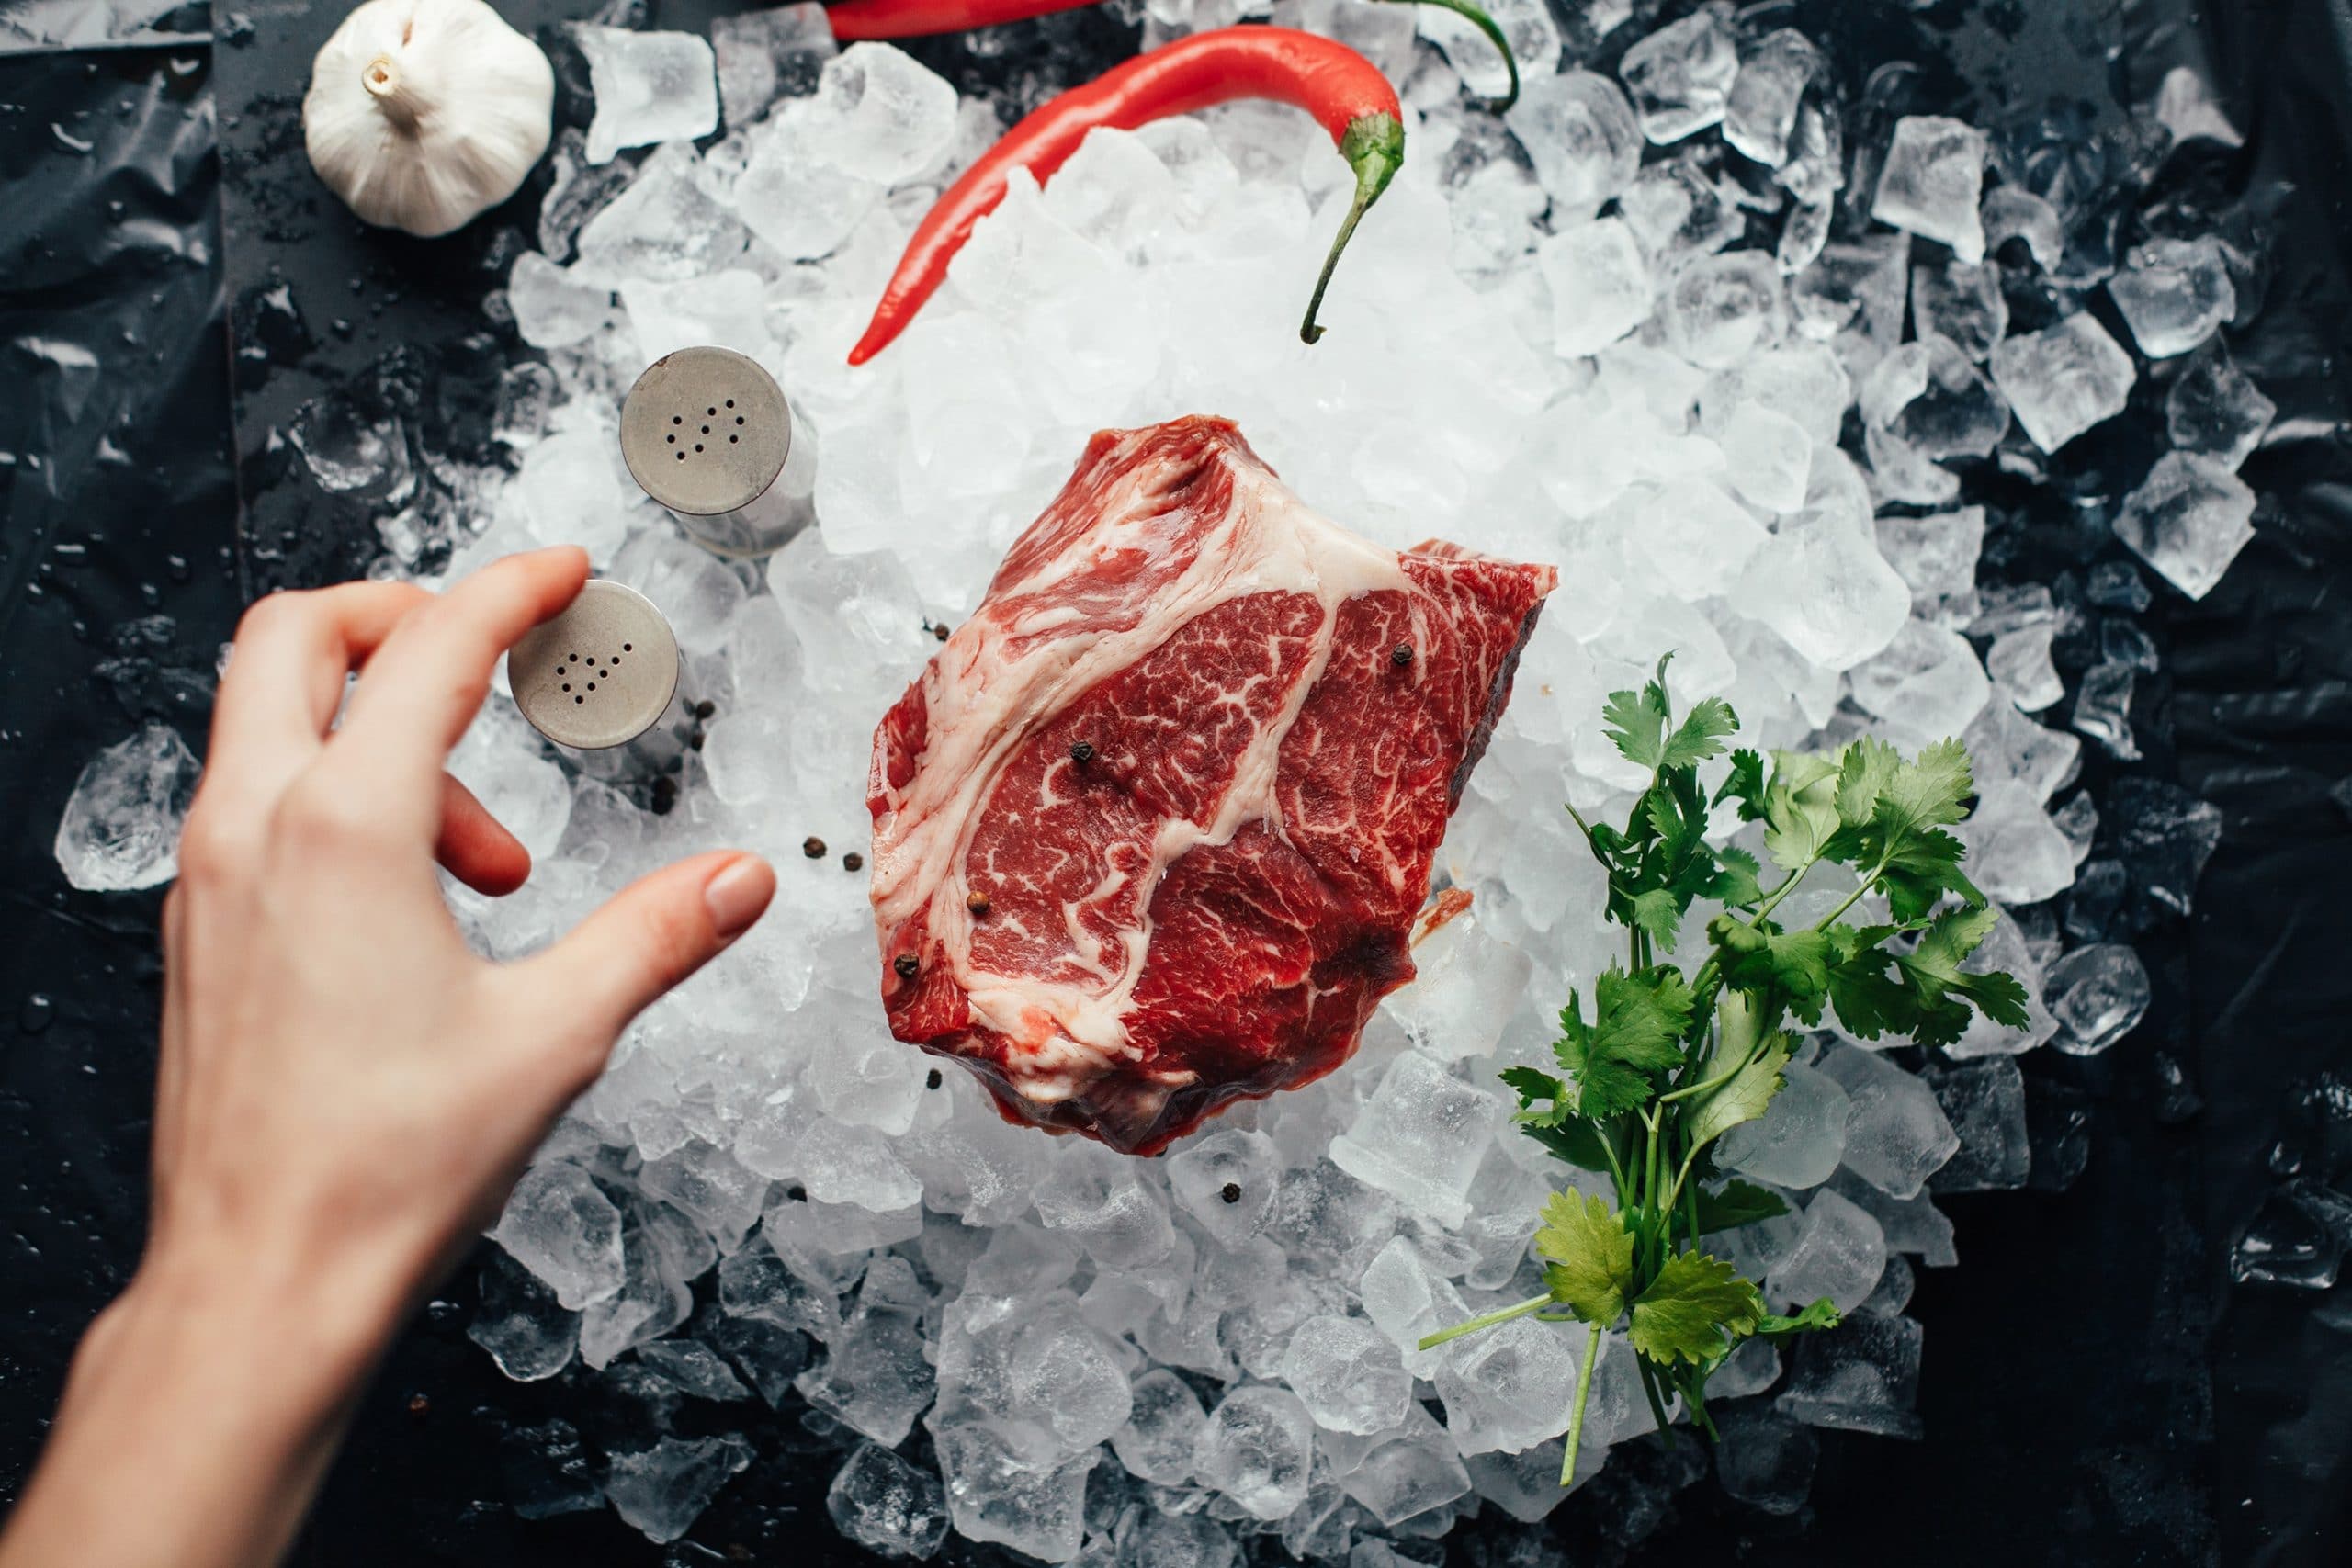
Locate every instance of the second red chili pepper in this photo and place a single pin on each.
(1345, 92)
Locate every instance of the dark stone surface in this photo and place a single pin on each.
(2093, 1392)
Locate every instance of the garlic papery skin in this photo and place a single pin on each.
(423, 114)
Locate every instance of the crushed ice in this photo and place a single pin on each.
(1600, 340)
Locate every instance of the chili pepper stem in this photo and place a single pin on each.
(1373, 147)
(1484, 23)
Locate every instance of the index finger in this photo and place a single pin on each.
(427, 681)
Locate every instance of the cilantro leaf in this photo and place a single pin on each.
(1701, 735)
(1800, 809)
(1590, 1255)
(1531, 1084)
(1638, 1033)
(1822, 1313)
(1690, 1307)
(1792, 966)
(1741, 1097)
(1733, 1204)
(1576, 1141)
(1734, 882)
(1636, 721)
(1744, 783)
(1659, 913)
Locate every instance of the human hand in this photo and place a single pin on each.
(345, 1092)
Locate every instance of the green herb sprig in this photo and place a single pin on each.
(1664, 1064)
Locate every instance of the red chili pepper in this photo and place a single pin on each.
(858, 20)
(1345, 92)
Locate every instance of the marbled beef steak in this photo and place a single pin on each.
(1151, 830)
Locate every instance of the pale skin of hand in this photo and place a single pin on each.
(345, 1092)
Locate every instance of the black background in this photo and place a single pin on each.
(2093, 1392)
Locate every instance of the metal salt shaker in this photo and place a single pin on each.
(707, 433)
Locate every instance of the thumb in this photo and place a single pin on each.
(647, 938)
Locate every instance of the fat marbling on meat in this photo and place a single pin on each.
(1151, 830)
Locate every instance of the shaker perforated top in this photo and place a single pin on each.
(600, 674)
(705, 431)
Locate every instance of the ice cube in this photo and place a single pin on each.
(1099, 1200)
(1348, 1374)
(1527, 26)
(1678, 207)
(664, 226)
(1985, 1104)
(526, 1331)
(2063, 379)
(649, 86)
(546, 1472)
(560, 1227)
(886, 1504)
(757, 1282)
(2013, 212)
(993, 1495)
(2188, 519)
(1961, 303)
(2215, 410)
(1526, 1484)
(2019, 662)
(1582, 138)
(664, 1489)
(876, 1377)
(769, 54)
(1469, 984)
(1852, 297)
(2016, 853)
(1508, 1387)
(724, 310)
(1164, 1422)
(1839, 1253)
(867, 1079)
(1723, 308)
(1147, 1539)
(1762, 109)
(2166, 836)
(1255, 1449)
(1896, 1135)
(1768, 455)
(1931, 181)
(120, 830)
(2005, 744)
(2174, 293)
(1407, 1300)
(2296, 1240)
(1420, 1136)
(1406, 1472)
(1863, 1376)
(707, 1184)
(1699, 538)
(1765, 1459)
(857, 1165)
(1936, 555)
(556, 305)
(1928, 396)
(1680, 76)
(2099, 993)
(1821, 583)
(1925, 683)
(1227, 1181)
(801, 204)
(1601, 285)
(661, 1251)
(1799, 1139)
(699, 1372)
(1067, 1376)
(1800, 380)
(880, 114)
(694, 590)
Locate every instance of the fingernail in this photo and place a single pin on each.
(736, 897)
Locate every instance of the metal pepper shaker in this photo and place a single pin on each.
(708, 434)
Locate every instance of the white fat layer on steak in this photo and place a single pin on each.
(985, 699)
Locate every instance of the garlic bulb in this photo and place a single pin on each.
(423, 114)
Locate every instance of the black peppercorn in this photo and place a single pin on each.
(977, 903)
(906, 964)
(931, 1079)
(796, 1192)
(813, 847)
(1401, 655)
(940, 631)
(852, 862)
(1232, 1192)
(705, 709)
(1083, 752)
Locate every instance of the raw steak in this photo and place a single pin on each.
(1151, 830)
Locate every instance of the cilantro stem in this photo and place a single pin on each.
(1774, 901)
(1584, 1394)
(1852, 899)
(1716, 1082)
(1657, 1407)
(1532, 1303)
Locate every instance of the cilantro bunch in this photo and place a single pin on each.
(1666, 1063)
